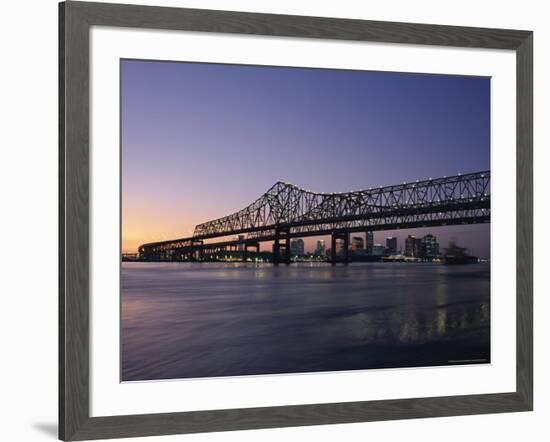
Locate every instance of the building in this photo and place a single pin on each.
(297, 247)
(357, 244)
(320, 248)
(391, 245)
(369, 243)
(413, 246)
(429, 247)
(409, 245)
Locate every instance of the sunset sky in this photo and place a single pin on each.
(200, 141)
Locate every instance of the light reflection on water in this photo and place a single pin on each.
(183, 320)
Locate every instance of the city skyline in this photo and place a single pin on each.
(358, 241)
(200, 141)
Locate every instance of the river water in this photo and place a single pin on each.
(189, 320)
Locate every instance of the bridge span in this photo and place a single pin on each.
(286, 211)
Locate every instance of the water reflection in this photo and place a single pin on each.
(219, 319)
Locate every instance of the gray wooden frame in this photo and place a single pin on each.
(75, 20)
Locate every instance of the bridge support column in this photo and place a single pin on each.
(198, 253)
(346, 248)
(344, 237)
(287, 251)
(245, 252)
(276, 251)
(254, 246)
(333, 249)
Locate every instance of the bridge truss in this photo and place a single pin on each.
(287, 211)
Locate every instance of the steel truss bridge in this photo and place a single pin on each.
(286, 211)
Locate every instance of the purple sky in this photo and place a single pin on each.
(200, 141)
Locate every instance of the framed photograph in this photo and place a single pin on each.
(271, 220)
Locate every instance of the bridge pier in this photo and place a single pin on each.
(333, 249)
(198, 254)
(345, 247)
(246, 246)
(287, 251)
(277, 247)
(276, 251)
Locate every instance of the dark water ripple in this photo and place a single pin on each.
(182, 320)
